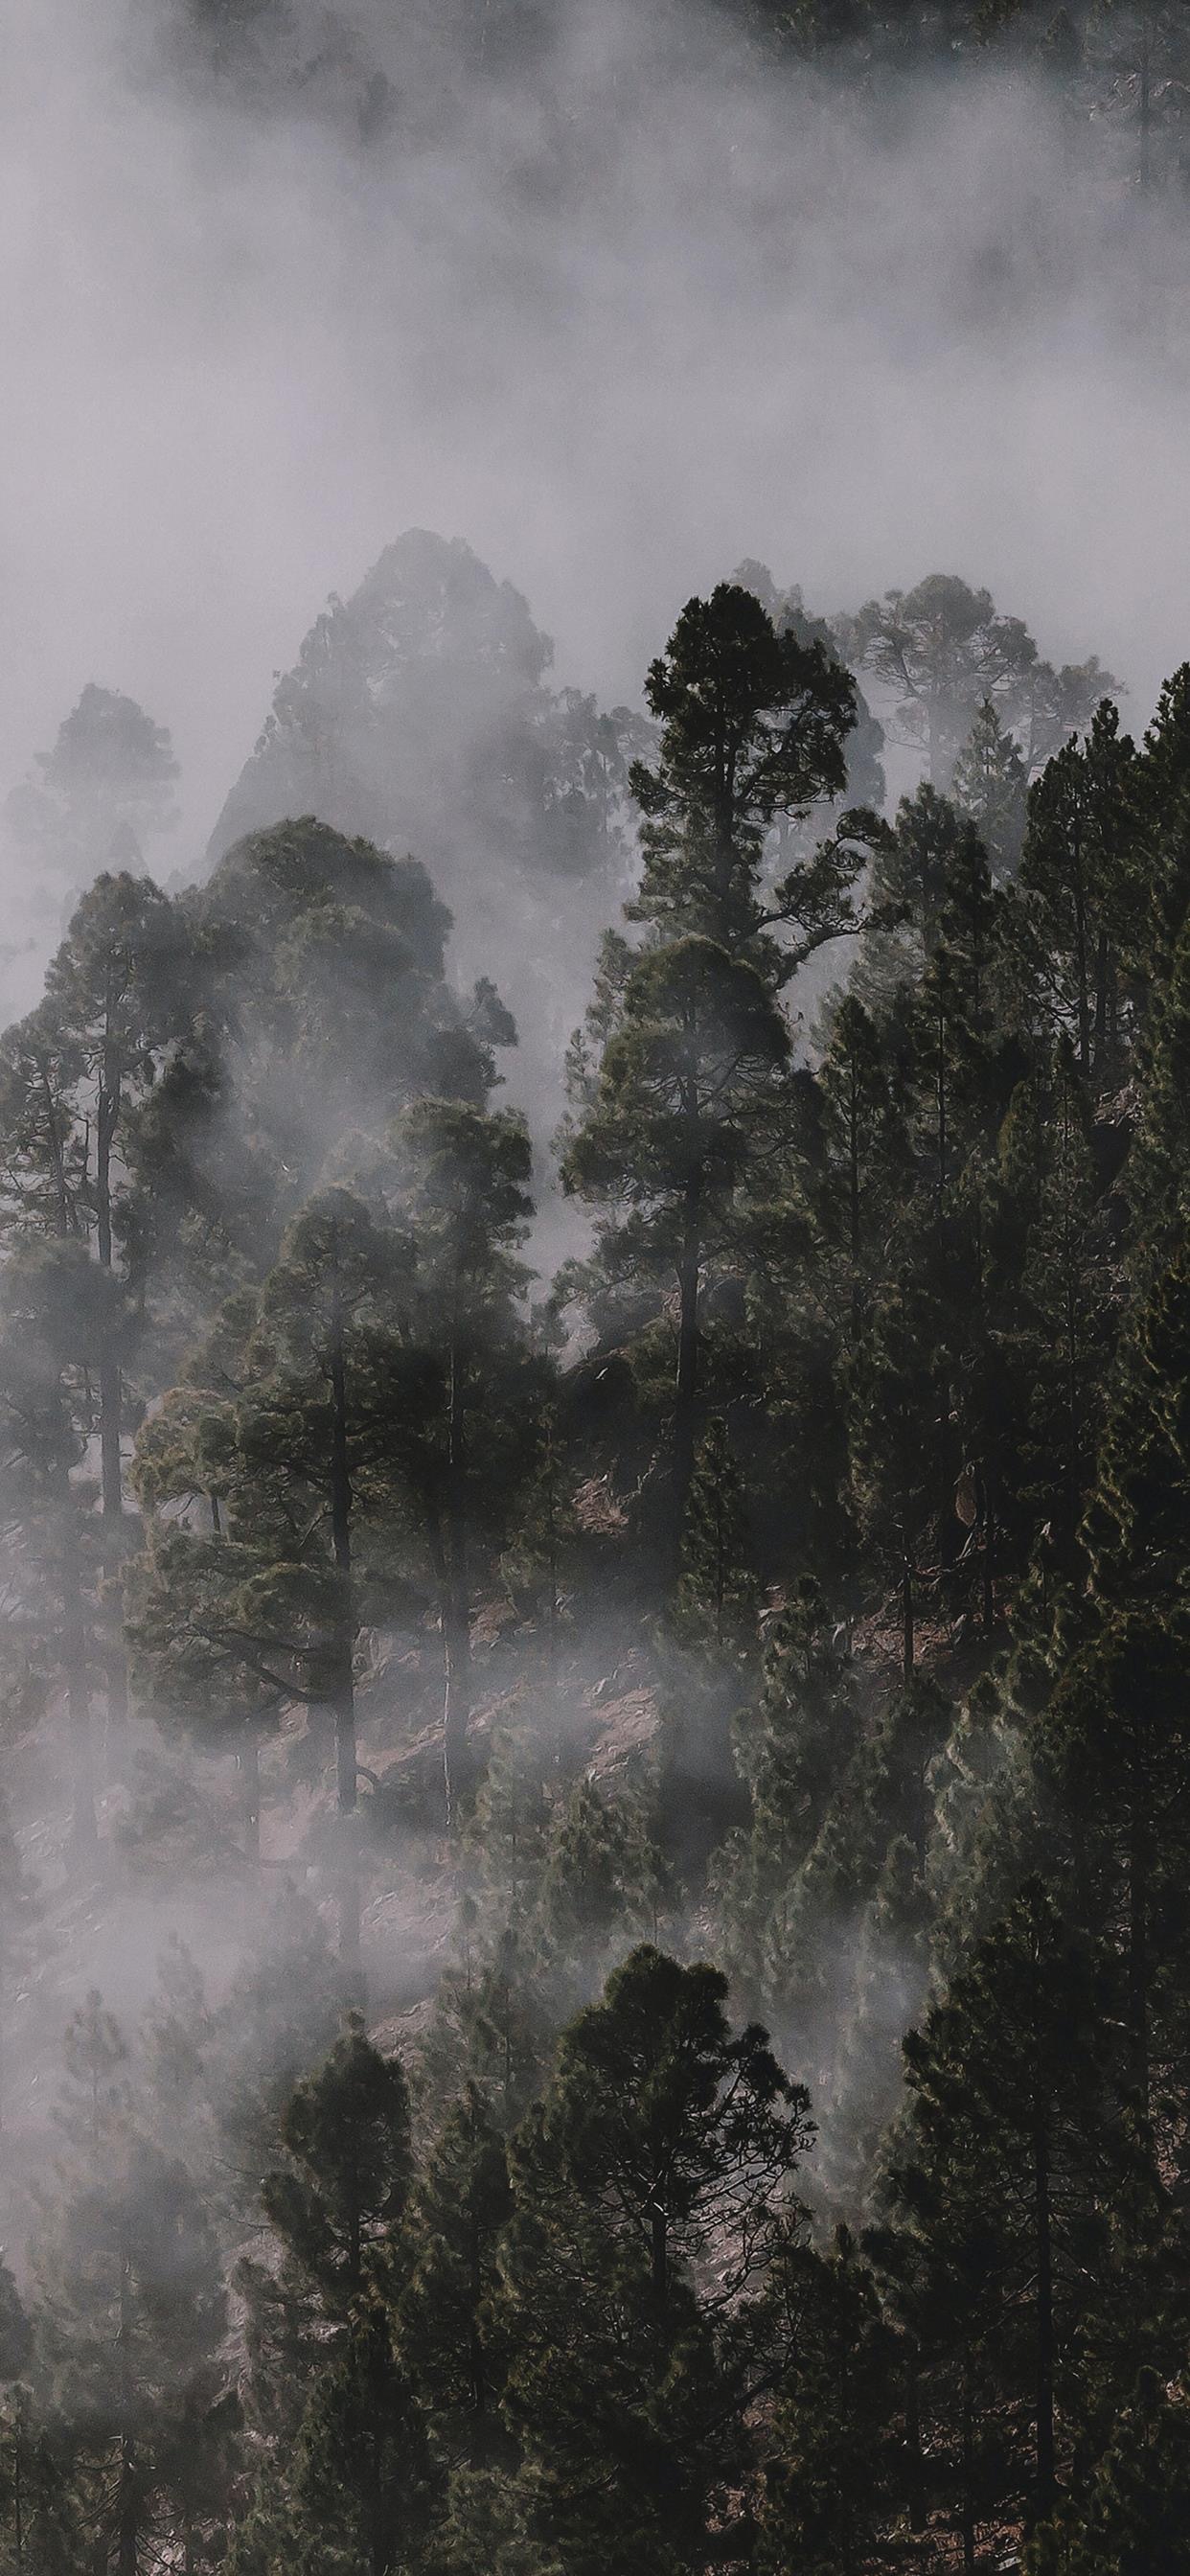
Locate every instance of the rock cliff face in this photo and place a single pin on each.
(419, 715)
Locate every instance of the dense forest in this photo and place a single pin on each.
(595, 1289)
(593, 1915)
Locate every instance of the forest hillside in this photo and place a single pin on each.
(594, 1291)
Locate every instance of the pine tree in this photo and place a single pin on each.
(604, 1877)
(1012, 2144)
(830, 2474)
(717, 1593)
(509, 1829)
(54, 1325)
(852, 1156)
(362, 2481)
(335, 2206)
(103, 792)
(1079, 891)
(448, 2331)
(43, 2526)
(1130, 2518)
(944, 651)
(753, 725)
(130, 2318)
(794, 1751)
(1049, 1312)
(463, 1447)
(990, 786)
(489, 2523)
(904, 1444)
(688, 1087)
(681, 2135)
(648, 2185)
(691, 1038)
(177, 2041)
(117, 991)
(282, 2014)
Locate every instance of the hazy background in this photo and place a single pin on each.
(619, 325)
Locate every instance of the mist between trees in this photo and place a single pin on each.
(594, 1309)
(592, 1883)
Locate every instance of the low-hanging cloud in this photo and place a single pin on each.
(650, 308)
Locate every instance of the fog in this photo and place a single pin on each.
(620, 325)
(375, 1627)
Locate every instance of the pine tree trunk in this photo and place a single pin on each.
(908, 1636)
